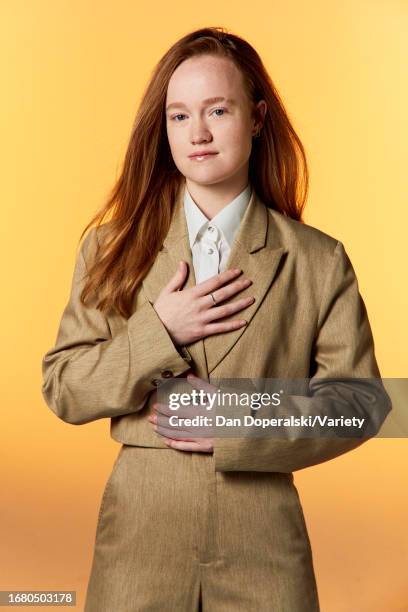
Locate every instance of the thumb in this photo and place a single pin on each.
(177, 279)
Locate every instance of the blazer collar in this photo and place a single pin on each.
(257, 250)
(251, 233)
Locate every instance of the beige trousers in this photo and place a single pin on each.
(174, 535)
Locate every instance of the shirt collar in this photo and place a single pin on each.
(227, 220)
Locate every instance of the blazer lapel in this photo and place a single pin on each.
(257, 252)
(176, 246)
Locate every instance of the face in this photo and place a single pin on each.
(207, 110)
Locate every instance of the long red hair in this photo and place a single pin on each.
(141, 203)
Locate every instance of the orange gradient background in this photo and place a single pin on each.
(73, 74)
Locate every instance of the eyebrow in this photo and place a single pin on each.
(206, 101)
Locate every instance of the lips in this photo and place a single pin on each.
(203, 155)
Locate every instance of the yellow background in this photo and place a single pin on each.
(74, 72)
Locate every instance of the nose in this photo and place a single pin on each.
(200, 132)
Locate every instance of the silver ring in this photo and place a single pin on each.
(214, 300)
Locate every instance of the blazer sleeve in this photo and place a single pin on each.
(344, 351)
(89, 374)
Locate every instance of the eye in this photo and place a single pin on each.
(220, 109)
(178, 115)
(175, 117)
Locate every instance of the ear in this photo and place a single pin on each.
(259, 114)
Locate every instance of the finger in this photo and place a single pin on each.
(161, 408)
(165, 410)
(162, 422)
(195, 446)
(181, 428)
(174, 433)
(219, 312)
(163, 428)
(218, 328)
(187, 412)
(223, 293)
(177, 279)
(216, 281)
(199, 383)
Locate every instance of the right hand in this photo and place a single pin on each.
(188, 314)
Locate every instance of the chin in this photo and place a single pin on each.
(207, 178)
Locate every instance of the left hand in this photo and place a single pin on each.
(177, 437)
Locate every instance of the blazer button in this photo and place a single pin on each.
(167, 374)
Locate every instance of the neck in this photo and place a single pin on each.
(211, 199)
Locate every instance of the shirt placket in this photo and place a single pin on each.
(210, 252)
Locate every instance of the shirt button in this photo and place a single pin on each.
(210, 251)
(155, 382)
(167, 374)
(210, 228)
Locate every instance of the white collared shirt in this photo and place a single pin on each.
(211, 240)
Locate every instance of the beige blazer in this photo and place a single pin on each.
(308, 321)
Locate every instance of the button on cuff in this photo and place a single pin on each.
(164, 374)
(167, 374)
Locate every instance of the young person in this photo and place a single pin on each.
(206, 268)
